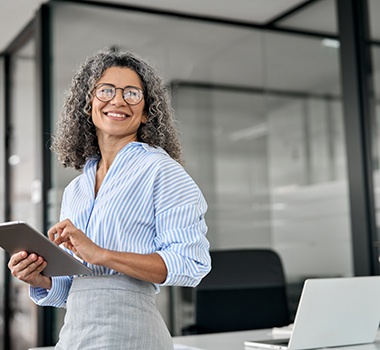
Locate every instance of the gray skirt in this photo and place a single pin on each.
(113, 312)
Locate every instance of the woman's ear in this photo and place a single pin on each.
(144, 118)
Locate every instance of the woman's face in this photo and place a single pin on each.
(116, 120)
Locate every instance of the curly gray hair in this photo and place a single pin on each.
(75, 138)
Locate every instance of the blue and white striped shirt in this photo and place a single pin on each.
(147, 203)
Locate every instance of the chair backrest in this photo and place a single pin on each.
(245, 289)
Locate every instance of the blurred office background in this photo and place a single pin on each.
(278, 106)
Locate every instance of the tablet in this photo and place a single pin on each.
(18, 235)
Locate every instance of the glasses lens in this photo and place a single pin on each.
(105, 92)
(132, 95)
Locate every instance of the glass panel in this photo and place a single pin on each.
(301, 65)
(25, 185)
(318, 16)
(307, 173)
(2, 193)
(262, 129)
(2, 138)
(271, 160)
(225, 137)
(373, 10)
(376, 134)
(310, 211)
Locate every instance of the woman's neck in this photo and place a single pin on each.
(109, 149)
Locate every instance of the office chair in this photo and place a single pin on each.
(245, 290)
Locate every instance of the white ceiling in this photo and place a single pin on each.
(317, 16)
(15, 14)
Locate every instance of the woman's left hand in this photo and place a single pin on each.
(70, 237)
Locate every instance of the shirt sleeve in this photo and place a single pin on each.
(56, 296)
(181, 229)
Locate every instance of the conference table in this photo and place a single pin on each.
(235, 341)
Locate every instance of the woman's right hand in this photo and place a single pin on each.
(28, 267)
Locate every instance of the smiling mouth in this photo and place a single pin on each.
(116, 115)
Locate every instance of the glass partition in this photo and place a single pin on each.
(261, 124)
(2, 138)
(374, 9)
(224, 133)
(25, 183)
(319, 17)
(2, 194)
(376, 134)
(307, 157)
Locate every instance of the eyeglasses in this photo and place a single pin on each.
(131, 94)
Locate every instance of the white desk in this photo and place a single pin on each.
(234, 341)
(221, 341)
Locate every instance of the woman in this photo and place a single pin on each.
(134, 216)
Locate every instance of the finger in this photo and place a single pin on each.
(60, 226)
(23, 264)
(60, 232)
(67, 232)
(69, 246)
(16, 258)
(41, 267)
(54, 232)
(33, 267)
(59, 240)
(66, 236)
(57, 235)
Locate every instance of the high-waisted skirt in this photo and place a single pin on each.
(113, 312)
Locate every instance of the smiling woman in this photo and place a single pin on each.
(134, 216)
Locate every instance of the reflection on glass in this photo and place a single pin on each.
(307, 157)
(376, 135)
(2, 137)
(225, 136)
(272, 179)
(319, 16)
(374, 25)
(23, 163)
(2, 195)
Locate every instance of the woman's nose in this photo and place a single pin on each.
(118, 98)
